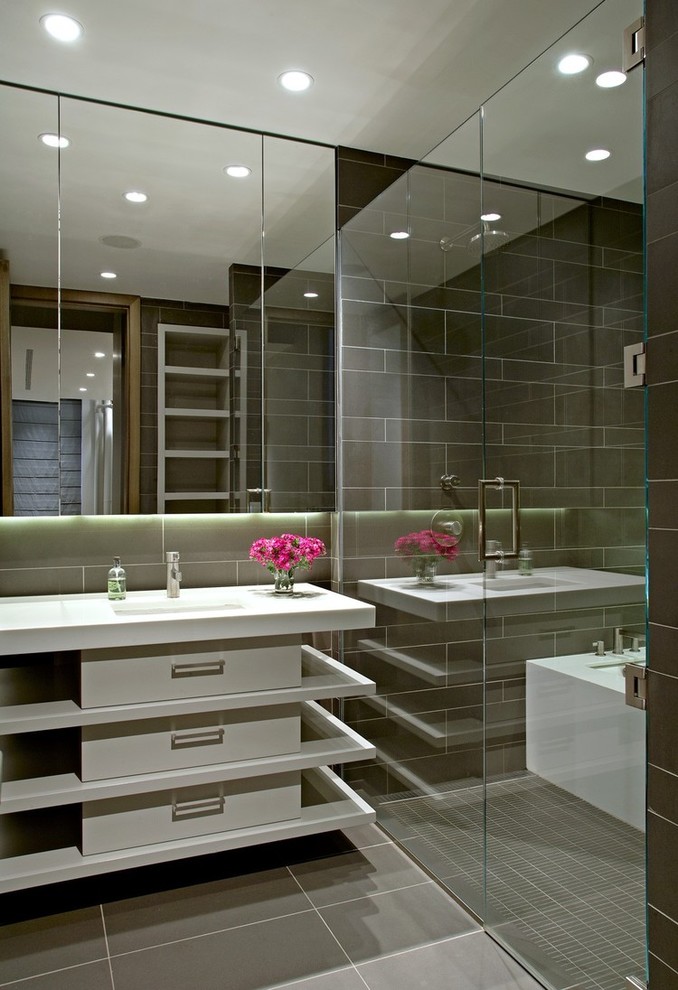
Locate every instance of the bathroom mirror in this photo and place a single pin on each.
(188, 246)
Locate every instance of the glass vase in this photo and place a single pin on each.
(425, 569)
(284, 582)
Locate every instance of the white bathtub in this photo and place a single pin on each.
(581, 735)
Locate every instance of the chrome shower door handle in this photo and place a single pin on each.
(498, 484)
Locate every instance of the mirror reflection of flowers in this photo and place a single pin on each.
(425, 544)
(282, 555)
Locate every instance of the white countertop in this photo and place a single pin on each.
(467, 595)
(41, 623)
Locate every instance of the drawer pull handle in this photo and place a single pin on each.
(202, 668)
(206, 737)
(198, 808)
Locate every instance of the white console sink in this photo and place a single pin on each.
(90, 621)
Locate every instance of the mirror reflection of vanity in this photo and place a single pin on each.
(243, 420)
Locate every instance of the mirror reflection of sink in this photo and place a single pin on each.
(169, 606)
(516, 582)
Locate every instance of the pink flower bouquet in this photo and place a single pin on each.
(425, 544)
(282, 555)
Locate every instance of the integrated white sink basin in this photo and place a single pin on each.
(157, 603)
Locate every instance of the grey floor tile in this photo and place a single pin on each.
(556, 866)
(365, 835)
(41, 945)
(261, 955)
(355, 874)
(345, 979)
(90, 976)
(370, 927)
(472, 962)
(140, 922)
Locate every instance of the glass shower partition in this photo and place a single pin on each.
(563, 296)
(487, 296)
(411, 451)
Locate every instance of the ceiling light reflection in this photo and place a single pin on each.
(574, 63)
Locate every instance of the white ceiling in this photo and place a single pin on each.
(391, 76)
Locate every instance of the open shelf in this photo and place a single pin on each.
(322, 678)
(324, 740)
(201, 418)
(327, 804)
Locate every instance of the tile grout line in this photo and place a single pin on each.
(50, 972)
(427, 945)
(108, 950)
(216, 931)
(350, 961)
(374, 893)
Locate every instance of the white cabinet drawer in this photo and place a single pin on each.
(165, 816)
(166, 672)
(157, 744)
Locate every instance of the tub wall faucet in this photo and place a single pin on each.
(173, 574)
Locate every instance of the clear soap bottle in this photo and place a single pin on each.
(117, 582)
(525, 561)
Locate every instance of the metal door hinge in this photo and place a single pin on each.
(635, 685)
(634, 365)
(633, 47)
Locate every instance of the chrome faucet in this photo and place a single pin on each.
(620, 635)
(173, 574)
(494, 547)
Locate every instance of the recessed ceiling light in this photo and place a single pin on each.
(608, 80)
(399, 235)
(295, 80)
(597, 155)
(99, 354)
(82, 390)
(490, 217)
(135, 196)
(310, 295)
(61, 26)
(573, 63)
(238, 171)
(54, 140)
(90, 374)
(108, 274)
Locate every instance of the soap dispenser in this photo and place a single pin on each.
(117, 582)
(525, 561)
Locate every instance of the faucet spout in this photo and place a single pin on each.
(173, 574)
(637, 640)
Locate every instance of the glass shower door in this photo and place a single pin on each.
(562, 263)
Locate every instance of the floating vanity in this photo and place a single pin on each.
(145, 731)
(510, 592)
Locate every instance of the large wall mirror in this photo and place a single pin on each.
(166, 314)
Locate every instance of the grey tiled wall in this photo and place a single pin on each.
(662, 237)
(298, 425)
(72, 555)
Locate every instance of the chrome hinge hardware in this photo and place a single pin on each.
(635, 685)
(633, 47)
(634, 365)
